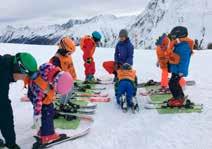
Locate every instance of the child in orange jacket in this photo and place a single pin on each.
(162, 51)
(63, 57)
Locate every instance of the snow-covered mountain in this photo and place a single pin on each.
(162, 15)
(108, 25)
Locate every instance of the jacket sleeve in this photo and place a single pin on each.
(56, 61)
(36, 96)
(130, 54)
(116, 54)
(184, 61)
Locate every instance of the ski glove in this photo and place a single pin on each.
(89, 60)
(37, 122)
(157, 64)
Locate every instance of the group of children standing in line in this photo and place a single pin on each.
(57, 76)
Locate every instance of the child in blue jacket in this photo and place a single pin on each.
(182, 49)
(124, 49)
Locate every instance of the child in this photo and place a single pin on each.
(63, 57)
(88, 46)
(126, 84)
(12, 68)
(162, 45)
(124, 49)
(123, 54)
(42, 88)
(179, 53)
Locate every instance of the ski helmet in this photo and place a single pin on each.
(25, 63)
(63, 83)
(126, 66)
(179, 32)
(68, 44)
(97, 36)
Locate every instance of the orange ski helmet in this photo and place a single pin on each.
(67, 44)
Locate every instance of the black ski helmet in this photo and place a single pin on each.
(179, 32)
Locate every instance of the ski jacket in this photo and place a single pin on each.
(6, 77)
(40, 87)
(161, 51)
(88, 46)
(65, 63)
(184, 49)
(124, 52)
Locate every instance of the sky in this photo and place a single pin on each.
(22, 10)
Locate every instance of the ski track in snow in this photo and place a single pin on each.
(114, 129)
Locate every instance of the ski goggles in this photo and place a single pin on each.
(21, 67)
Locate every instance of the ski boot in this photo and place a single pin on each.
(151, 83)
(42, 141)
(123, 103)
(175, 102)
(12, 146)
(135, 106)
(164, 90)
(90, 80)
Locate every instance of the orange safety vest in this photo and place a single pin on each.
(126, 74)
(47, 89)
(67, 65)
(88, 45)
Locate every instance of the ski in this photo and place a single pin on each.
(99, 99)
(38, 145)
(90, 95)
(163, 106)
(81, 116)
(154, 92)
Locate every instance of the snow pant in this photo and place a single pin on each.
(47, 120)
(7, 123)
(125, 87)
(175, 88)
(164, 78)
(89, 65)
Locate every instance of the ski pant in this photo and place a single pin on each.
(164, 78)
(90, 68)
(175, 87)
(47, 120)
(125, 87)
(7, 123)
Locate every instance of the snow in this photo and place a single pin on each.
(112, 128)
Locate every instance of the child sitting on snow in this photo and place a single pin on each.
(126, 85)
(42, 87)
(179, 53)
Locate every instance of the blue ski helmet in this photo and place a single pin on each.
(96, 35)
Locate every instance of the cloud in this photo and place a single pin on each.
(13, 10)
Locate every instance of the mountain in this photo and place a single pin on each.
(162, 15)
(107, 25)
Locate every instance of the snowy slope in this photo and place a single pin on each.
(162, 15)
(108, 25)
(114, 130)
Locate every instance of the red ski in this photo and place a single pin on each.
(96, 99)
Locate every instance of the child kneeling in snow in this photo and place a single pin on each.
(42, 87)
(126, 84)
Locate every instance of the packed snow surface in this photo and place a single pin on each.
(112, 128)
